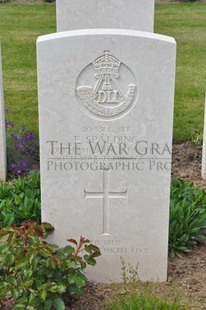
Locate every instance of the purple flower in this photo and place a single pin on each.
(24, 150)
(19, 146)
(29, 137)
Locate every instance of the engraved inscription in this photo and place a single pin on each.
(106, 195)
(113, 94)
(114, 251)
(118, 247)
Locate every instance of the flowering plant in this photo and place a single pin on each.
(22, 149)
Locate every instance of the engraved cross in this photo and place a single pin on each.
(106, 195)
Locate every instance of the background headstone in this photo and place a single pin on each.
(106, 117)
(89, 14)
(2, 129)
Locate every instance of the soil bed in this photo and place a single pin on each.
(186, 163)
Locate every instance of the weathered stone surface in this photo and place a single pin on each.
(89, 14)
(106, 116)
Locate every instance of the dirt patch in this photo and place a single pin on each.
(189, 272)
(186, 163)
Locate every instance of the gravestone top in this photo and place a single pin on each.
(106, 115)
(2, 129)
(89, 14)
(118, 32)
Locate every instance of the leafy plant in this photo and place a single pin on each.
(196, 140)
(20, 200)
(137, 295)
(187, 217)
(38, 275)
(22, 149)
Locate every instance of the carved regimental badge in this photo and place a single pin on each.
(111, 89)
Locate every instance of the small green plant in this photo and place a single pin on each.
(20, 200)
(145, 300)
(137, 295)
(187, 217)
(196, 140)
(40, 276)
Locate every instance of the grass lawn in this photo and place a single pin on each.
(20, 25)
(186, 22)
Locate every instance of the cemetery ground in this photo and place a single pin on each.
(20, 25)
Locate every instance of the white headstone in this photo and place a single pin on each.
(204, 147)
(89, 14)
(106, 117)
(2, 129)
